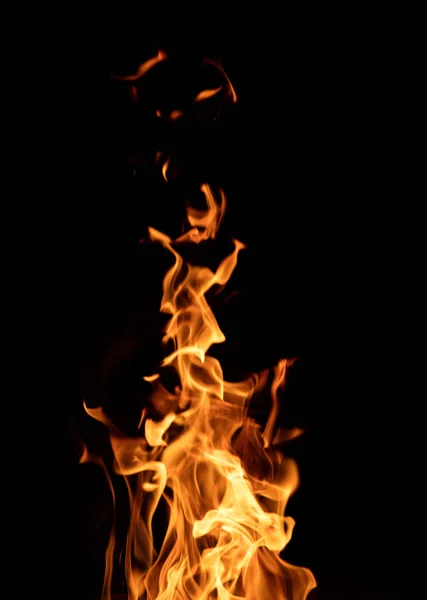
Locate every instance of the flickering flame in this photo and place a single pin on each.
(197, 454)
(278, 382)
(165, 168)
(207, 94)
(88, 457)
(205, 223)
(221, 70)
(143, 68)
(224, 484)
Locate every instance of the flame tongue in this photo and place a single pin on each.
(226, 525)
(224, 484)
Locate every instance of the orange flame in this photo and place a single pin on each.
(224, 485)
(205, 94)
(220, 478)
(143, 68)
(278, 382)
(88, 457)
(175, 115)
(165, 168)
(224, 74)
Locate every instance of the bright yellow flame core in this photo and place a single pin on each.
(224, 484)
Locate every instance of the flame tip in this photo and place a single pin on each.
(143, 68)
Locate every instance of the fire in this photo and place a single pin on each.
(144, 67)
(205, 94)
(218, 475)
(221, 70)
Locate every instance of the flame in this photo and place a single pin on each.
(205, 223)
(224, 74)
(223, 483)
(143, 68)
(150, 378)
(197, 455)
(134, 93)
(176, 114)
(88, 457)
(205, 94)
(165, 168)
(278, 382)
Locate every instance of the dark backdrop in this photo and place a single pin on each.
(300, 158)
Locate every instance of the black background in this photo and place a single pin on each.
(301, 158)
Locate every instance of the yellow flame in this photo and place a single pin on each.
(224, 484)
(165, 168)
(151, 377)
(154, 431)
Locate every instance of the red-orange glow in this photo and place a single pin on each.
(88, 457)
(165, 168)
(176, 114)
(151, 377)
(143, 68)
(207, 94)
(230, 86)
